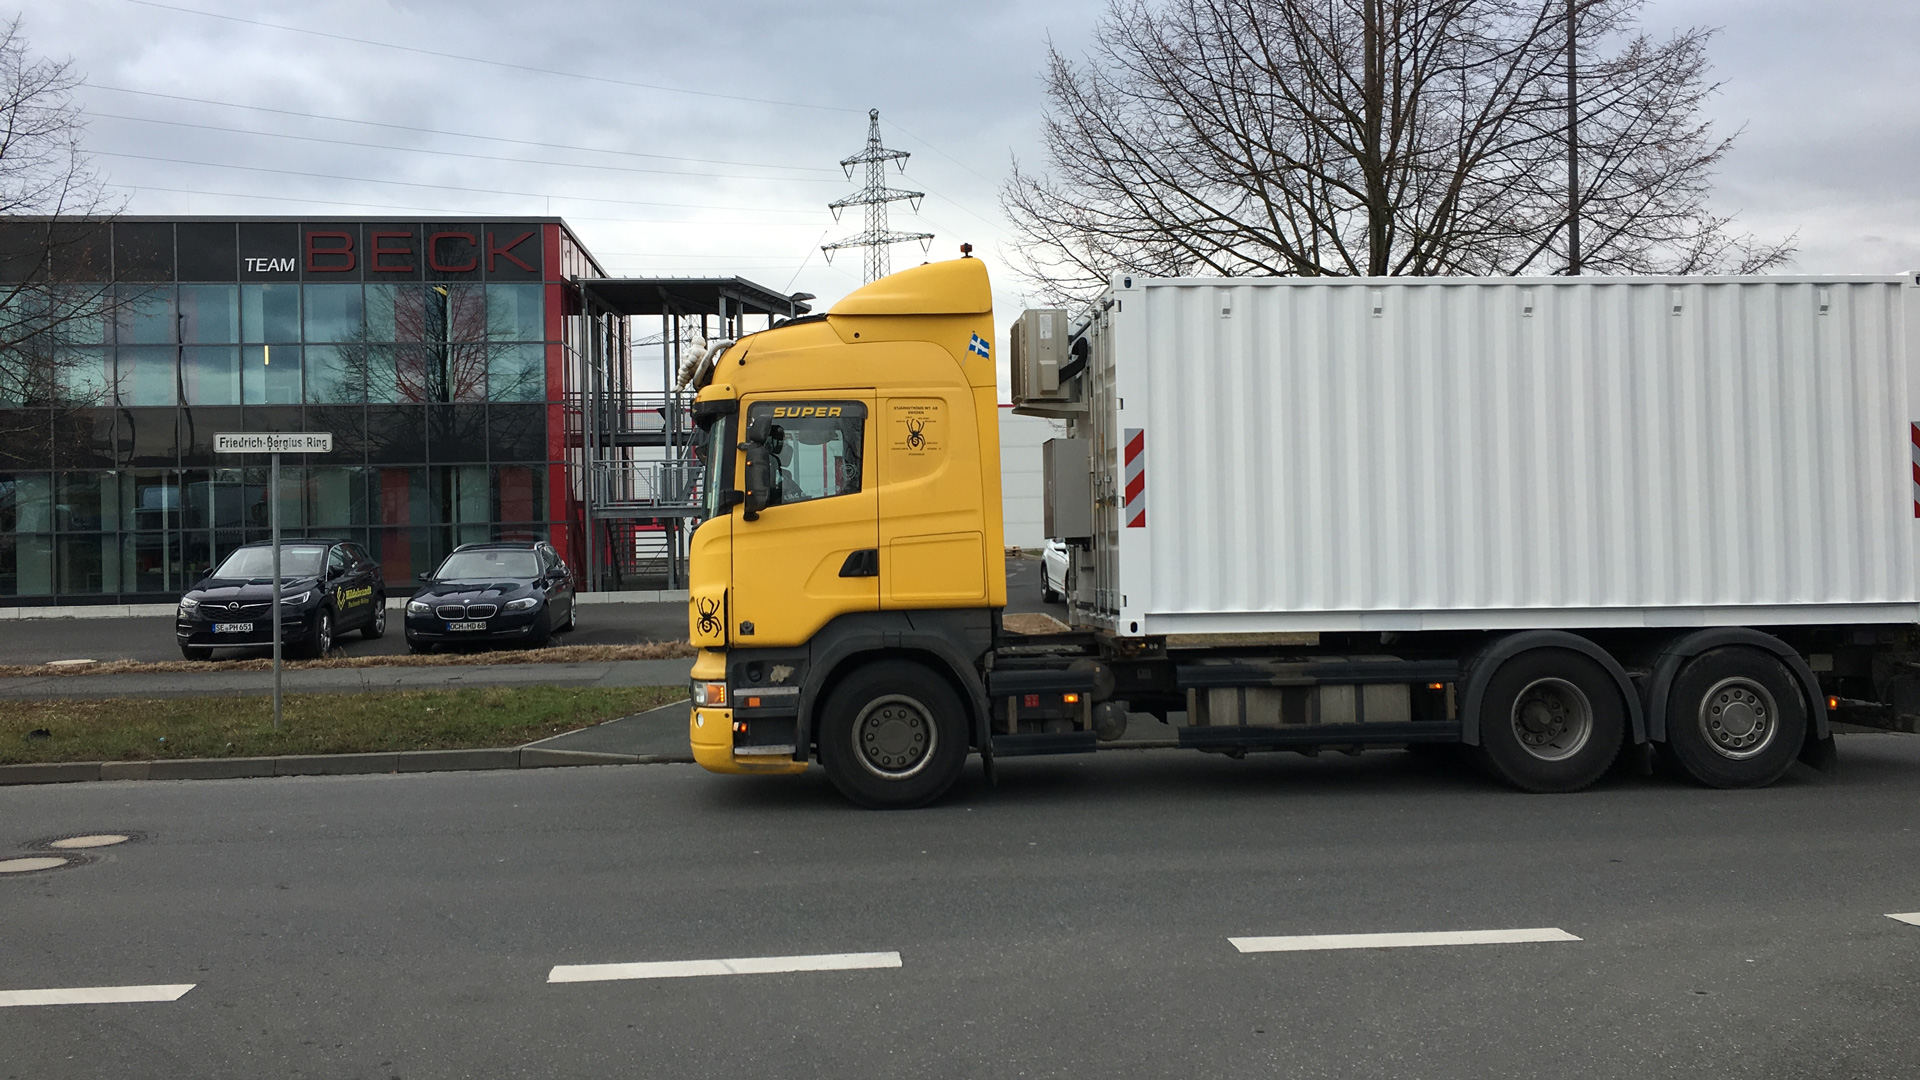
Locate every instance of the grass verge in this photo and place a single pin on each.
(123, 729)
(552, 654)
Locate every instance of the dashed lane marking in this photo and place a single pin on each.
(746, 965)
(95, 995)
(1912, 917)
(1315, 942)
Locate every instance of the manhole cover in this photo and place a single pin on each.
(96, 840)
(31, 863)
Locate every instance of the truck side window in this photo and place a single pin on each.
(816, 448)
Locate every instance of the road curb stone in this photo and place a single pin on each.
(405, 761)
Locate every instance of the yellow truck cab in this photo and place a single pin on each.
(846, 583)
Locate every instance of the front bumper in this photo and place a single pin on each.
(505, 626)
(710, 730)
(197, 633)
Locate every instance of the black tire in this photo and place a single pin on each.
(320, 642)
(573, 616)
(1551, 720)
(1048, 594)
(542, 634)
(376, 627)
(1736, 718)
(893, 735)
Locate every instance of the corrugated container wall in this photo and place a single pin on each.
(1473, 453)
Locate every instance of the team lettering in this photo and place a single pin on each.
(795, 412)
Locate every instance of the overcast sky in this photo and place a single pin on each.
(750, 104)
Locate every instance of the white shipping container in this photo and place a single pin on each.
(1471, 453)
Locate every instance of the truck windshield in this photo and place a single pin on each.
(715, 451)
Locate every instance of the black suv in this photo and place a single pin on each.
(508, 590)
(327, 587)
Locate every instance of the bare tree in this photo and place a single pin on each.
(54, 220)
(1374, 137)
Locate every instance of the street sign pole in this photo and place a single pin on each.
(273, 516)
(273, 444)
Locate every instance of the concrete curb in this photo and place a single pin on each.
(406, 761)
(394, 603)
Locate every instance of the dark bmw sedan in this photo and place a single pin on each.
(327, 587)
(509, 590)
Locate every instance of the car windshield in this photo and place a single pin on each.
(296, 561)
(477, 565)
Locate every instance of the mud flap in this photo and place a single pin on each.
(1821, 754)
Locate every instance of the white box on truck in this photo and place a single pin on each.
(1285, 454)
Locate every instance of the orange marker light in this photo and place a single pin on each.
(1071, 699)
(1833, 703)
(1436, 686)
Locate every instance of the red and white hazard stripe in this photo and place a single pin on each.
(1916, 468)
(1135, 510)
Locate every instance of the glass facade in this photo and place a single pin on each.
(433, 352)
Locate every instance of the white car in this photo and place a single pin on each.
(1053, 571)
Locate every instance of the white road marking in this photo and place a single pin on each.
(95, 995)
(746, 965)
(1912, 917)
(1312, 942)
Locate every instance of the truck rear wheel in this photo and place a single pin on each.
(1735, 718)
(1551, 720)
(893, 735)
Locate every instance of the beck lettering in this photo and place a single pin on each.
(497, 251)
(435, 248)
(335, 247)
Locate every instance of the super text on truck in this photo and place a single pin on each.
(1554, 519)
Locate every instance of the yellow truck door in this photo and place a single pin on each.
(810, 555)
(933, 550)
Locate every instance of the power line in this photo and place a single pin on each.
(493, 63)
(454, 187)
(452, 211)
(446, 187)
(422, 130)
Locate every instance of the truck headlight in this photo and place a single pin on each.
(419, 607)
(521, 604)
(710, 695)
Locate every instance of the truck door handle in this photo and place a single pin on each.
(862, 563)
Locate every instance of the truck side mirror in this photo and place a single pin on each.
(759, 478)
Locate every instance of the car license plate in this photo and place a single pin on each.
(233, 628)
(466, 626)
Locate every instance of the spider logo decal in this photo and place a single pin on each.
(709, 621)
(916, 433)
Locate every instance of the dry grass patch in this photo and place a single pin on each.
(124, 729)
(553, 654)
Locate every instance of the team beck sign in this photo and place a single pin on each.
(268, 442)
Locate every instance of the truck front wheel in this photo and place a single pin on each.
(893, 736)
(1551, 720)
(1735, 718)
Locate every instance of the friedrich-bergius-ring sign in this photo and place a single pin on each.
(275, 443)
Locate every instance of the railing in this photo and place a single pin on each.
(665, 484)
(631, 413)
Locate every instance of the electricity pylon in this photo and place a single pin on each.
(875, 196)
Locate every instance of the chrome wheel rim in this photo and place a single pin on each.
(380, 618)
(1738, 718)
(894, 737)
(324, 633)
(1552, 719)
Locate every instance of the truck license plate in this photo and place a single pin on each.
(233, 628)
(466, 626)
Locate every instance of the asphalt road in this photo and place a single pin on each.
(1072, 923)
(150, 638)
